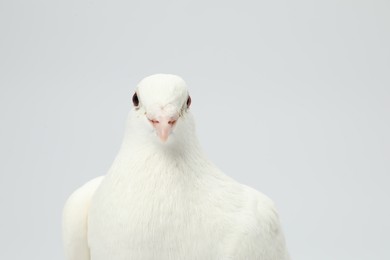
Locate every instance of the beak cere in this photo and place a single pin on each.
(163, 126)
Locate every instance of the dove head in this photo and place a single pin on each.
(161, 104)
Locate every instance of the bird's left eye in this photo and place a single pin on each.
(135, 100)
(188, 101)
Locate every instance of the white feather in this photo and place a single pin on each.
(167, 201)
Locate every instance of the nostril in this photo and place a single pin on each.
(164, 121)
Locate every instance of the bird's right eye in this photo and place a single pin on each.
(135, 100)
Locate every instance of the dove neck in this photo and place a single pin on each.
(140, 147)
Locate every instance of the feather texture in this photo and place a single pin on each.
(167, 200)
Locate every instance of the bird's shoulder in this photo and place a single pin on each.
(259, 232)
(74, 220)
(248, 199)
(258, 205)
(263, 205)
(81, 197)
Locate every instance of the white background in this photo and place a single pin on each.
(290, 97)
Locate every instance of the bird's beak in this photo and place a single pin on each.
(163, 125)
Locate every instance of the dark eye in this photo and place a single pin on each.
(135, 100)
(188, 101)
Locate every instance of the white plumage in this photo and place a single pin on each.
(162, 199)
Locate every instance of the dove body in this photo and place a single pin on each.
(163, 199)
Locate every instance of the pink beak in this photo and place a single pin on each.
(163, 126)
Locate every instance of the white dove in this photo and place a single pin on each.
(163, 199)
